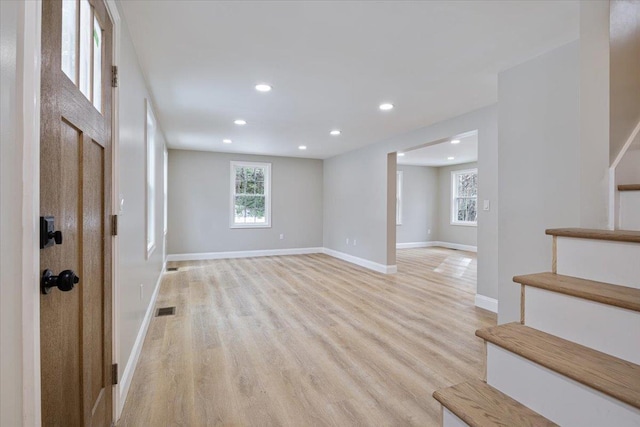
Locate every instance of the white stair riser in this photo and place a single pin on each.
(630, 210)
(617, 263)
(449, 419)
(609, 329)
(554, 396)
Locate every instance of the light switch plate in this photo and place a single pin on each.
(485, 205)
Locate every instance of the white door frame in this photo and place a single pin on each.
(28, 101)
(28, 97)
(115, 201)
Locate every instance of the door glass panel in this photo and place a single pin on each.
(97, 64)
(69, 39)
(85, 48)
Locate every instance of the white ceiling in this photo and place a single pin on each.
(331, 64)
(438, 154)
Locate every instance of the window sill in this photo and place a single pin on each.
(464, 224)
(240, 226)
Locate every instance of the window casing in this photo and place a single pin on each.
(399, 198)
(250, 195)
(464, 197)
(150, 134)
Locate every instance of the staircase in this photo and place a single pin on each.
(574, 357)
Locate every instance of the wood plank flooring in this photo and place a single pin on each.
(309, 340)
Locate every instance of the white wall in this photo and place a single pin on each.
(624, 66)
(199, 204)
(539, 163)
(355, 199)
(594, 113)
(134, 267)
(419, 204)
(10, 218)
(447, 232)
(628, 170)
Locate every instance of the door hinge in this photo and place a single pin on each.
(114, 374)
(114, 76)
(114, 225)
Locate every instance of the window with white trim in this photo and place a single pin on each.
(399, 198)
(250, 195)
(464, 200)
(151, 179)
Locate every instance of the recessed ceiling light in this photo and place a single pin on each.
(386, 106)
(226, 141)
(455, 141)
(240, 122)
(400, 154)
(302, 147)
(263, 87)
(335, 132)
(450, 158)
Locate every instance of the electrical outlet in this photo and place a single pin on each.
(354, 242)
(429, 231)
(347, 240)
(282, 237)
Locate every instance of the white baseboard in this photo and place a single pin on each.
(487, 303)
(380, 268)
(127, 375)
(242, 254)
(412, 245)
(431, 244)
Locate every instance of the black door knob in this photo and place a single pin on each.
(65, 281)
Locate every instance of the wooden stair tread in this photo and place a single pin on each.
(480, 405)
(619, 296)
(629, 187)
(612, 376)
(589, 233)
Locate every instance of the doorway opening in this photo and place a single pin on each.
(436, 208)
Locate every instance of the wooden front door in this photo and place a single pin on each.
(75, 189)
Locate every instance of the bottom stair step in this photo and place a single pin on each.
(478, 404)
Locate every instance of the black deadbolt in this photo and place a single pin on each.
(48, 234)
(65, 281)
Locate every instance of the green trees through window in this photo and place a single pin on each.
(251, 194)
(465, 197)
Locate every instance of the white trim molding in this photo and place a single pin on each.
(112, 10)
(242, 254)
(457, 246)
(487, 303)
(127, 374)
(232, 193)
(28, 62)
(380, 268)
(412, 245)
(448, 245)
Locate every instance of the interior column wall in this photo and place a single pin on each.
(539, 163)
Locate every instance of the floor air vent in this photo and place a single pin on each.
(172, 269)
(166, 311)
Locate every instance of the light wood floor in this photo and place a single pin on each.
(309, 340)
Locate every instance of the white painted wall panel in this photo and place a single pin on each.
(609, 329)
(630, 210)
(600, 260)
(558, 398)
(449, 419)
(539, 164)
